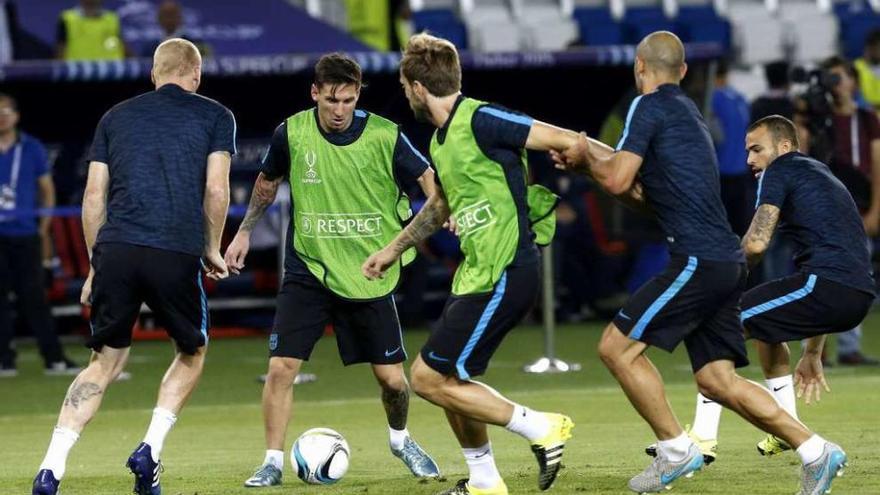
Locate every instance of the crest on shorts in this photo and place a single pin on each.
(273, 341)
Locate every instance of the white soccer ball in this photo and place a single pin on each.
(320, 456)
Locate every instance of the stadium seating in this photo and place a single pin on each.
(758, 36)
(544, 24)
(813, 33)
(700, 22)
(491, 26)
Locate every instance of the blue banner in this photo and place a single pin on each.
(370, 62)
(230, 27)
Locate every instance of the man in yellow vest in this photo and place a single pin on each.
(868, 68)
(89, 32)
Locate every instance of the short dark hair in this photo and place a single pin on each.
(337, 69)
(836, 61)
(9, 99)
(722, 67)
(779, 127)
(778, 74)
(873, 37)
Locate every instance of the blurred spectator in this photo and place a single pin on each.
(730, 112)
(777, 100)
(370, 22)
(856, 162)
(16, 43)
(25, 182)
(89, 32)
(170, 19)
(868, 68)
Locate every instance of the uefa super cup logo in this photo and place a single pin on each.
(311, 175)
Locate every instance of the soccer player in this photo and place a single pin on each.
(478, 154)
(833, 288)
(665, 161)
(153, 214)
(346, 168)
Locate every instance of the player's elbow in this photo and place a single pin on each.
(217, 192)
(616, 185)
(754, 247)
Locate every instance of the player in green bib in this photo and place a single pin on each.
(346, 169)
(478, 151)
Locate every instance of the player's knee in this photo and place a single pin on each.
(714, 387)
(393, 381)
(609, 351)
(425, 381)
(282, 371)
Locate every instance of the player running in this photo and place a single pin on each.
(478, 151)
(833, 289)
(345, 168)
(665, 161)
(153, 214)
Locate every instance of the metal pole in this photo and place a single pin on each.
(549, 363)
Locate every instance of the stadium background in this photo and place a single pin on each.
(564, 62)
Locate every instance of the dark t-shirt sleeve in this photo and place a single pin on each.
(642, 122)
(498, 127)
(772, 188)
(409, 163)
(224, 133)
(41, 160)
(100, 145)
(276, 161)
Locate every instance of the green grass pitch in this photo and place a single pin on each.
(218, 440)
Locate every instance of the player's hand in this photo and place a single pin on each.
(452, 226)
(215, 267)
(809, 378)
(574, 158)
(237, 251)
(376, 265)
(85, 296)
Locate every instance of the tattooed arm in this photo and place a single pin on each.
(261, 198)
(757, 239)
(430, 218)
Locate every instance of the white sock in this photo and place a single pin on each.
(812, 449)
(275, 458)
(527, 423)
(481, 465)
(782, 389)
(60, 445)
(163, 420)
(707, 418)
(397, 437)
(675, 449)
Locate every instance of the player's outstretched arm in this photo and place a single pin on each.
(430, 219)
(262, 197)
(547, 137)
(757, 239)
(94, 214)
(216, 205)
(614, 171)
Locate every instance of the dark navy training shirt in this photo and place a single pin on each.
(501, 134)
(679, 174)
(408, 166)
(21, 168)
(819, 217)
(156, 146)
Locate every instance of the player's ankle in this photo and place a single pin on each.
(528, 424)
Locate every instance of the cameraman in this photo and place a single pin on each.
(855, 160)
